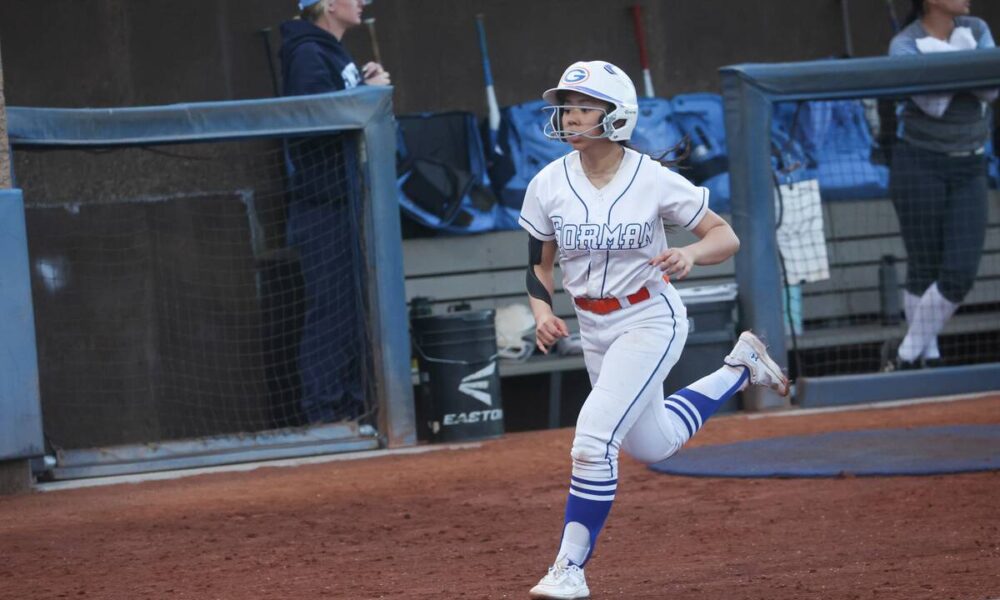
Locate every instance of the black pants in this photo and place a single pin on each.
(941, 202)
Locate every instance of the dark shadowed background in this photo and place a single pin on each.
(126, 53)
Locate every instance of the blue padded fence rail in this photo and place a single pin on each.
(194, 122)
(882, 75)
(20, 405)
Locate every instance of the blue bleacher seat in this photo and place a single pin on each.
(838, 144)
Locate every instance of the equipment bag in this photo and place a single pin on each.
(700, 117)
(441, 173)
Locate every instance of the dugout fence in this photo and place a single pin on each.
(215, 282)
(838, 222)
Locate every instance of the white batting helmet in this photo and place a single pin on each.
(603, 81)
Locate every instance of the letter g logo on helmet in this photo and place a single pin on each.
(576, 75)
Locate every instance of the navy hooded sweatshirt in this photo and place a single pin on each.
(313, 61)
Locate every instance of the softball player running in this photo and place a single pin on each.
(601, 209)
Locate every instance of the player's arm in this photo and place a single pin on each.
(540, 282)
(716, 242)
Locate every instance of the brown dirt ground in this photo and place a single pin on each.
(483, 523)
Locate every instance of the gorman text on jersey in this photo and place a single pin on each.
(591, 236)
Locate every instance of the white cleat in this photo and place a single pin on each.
(563, 582)
(751, 353)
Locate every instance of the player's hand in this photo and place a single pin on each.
(374, 74)
(548, 331)
(675, 262)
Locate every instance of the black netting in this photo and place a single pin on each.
(195, 290)
(890, 246)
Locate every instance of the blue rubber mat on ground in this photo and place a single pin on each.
(916, 451)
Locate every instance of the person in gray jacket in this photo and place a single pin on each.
(938, 180)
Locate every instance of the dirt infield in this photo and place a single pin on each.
(484, 522)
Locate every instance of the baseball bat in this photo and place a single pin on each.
(640, 39)
(370, 24)
(893, 19)
(491, 96)
(845, 17)
(265, 35)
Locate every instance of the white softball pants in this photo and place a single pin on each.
(628, 354)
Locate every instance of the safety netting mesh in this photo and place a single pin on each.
(195, 290)
(888, 230)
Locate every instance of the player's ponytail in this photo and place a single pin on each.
(679, 151)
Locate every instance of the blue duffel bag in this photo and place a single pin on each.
(700, 117)
(442, 181)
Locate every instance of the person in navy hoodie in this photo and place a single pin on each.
(324, 214)
(313, 60)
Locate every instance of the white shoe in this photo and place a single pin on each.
(563, 582)
(751, 353)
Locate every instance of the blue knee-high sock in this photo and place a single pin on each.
(699, 401)
(587, 507)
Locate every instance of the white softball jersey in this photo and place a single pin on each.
(607, 236)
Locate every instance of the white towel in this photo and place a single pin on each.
(961, 38)
(800, 235)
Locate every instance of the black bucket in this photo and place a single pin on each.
(459, 380)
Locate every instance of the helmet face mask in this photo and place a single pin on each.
(554, 128)
(604, 82)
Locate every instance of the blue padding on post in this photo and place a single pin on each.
(840, 390)
(864, 77)
(878, 452)
(20, 405)
(202, 121)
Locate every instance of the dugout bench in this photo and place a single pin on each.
(487, 271)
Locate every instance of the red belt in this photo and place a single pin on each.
(603, 306)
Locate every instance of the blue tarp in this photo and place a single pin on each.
(916, 451)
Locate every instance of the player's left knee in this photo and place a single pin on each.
(650, 454)
(591, 454)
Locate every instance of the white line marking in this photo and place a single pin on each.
(243, 467)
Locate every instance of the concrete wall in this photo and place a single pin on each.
(121, 52)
